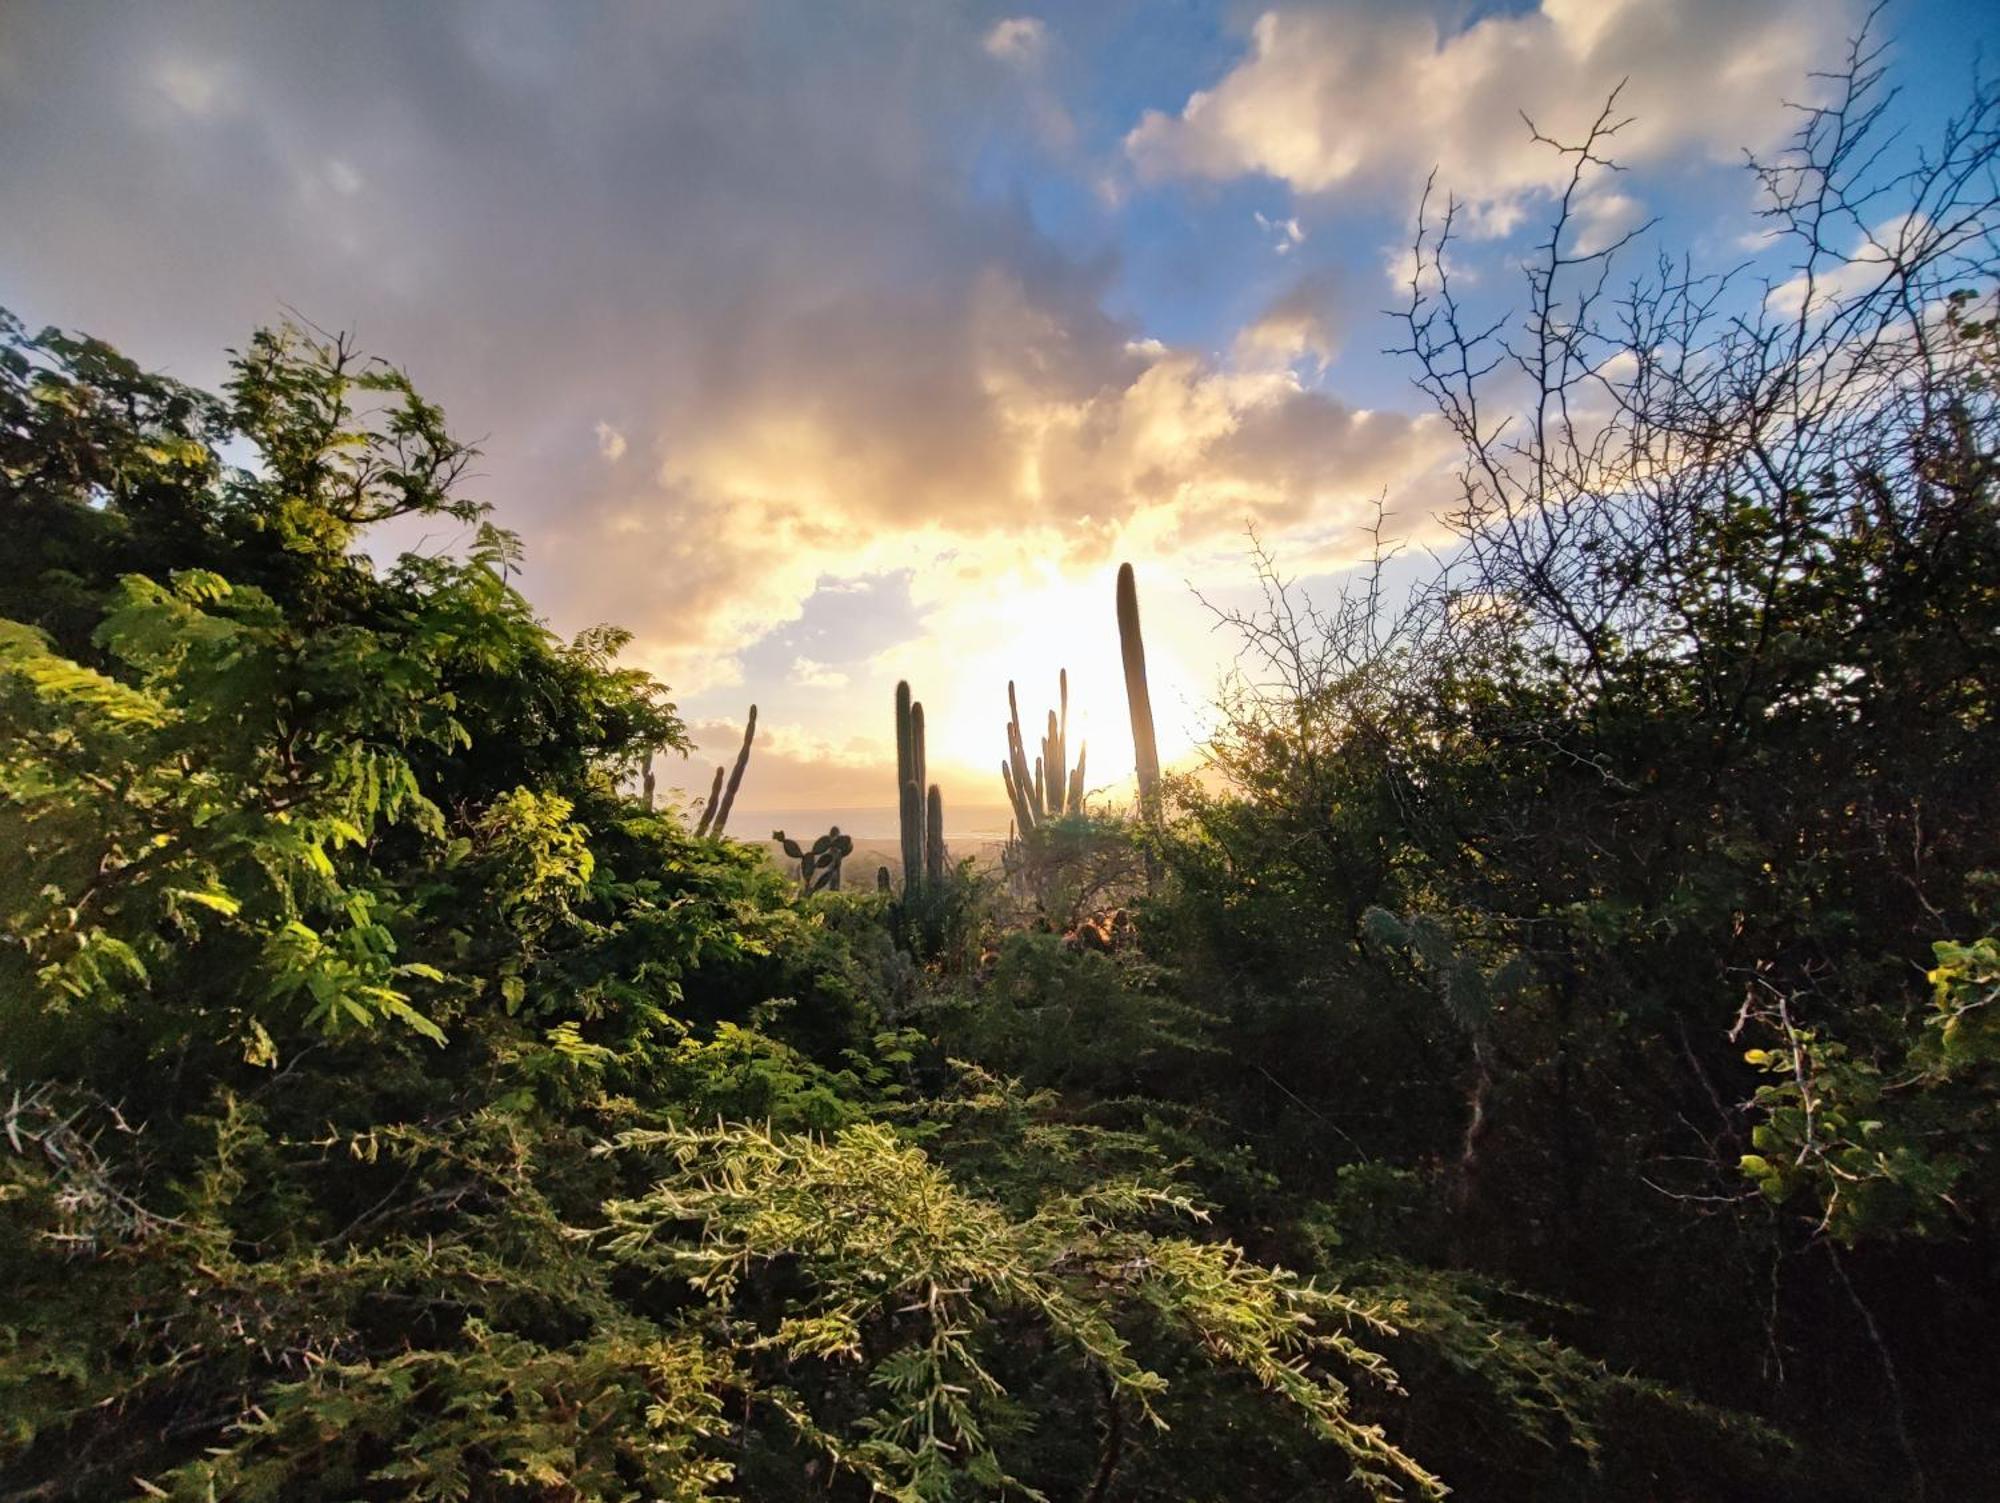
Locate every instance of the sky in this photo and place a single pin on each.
(826, 344)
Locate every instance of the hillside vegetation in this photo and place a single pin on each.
(1552, 1055)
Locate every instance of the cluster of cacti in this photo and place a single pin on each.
(715, 813)
(819, 863)
(1053, 788)
(920, 813)
(1145, 749)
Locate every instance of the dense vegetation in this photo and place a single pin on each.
(1552, 1057)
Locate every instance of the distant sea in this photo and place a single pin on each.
(965, 822)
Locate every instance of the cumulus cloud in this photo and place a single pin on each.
(1306, 321)
(610, 442)
(1018, 39)
(1336, 95)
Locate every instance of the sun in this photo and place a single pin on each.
(1030, 637)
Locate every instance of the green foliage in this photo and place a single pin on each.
(887, 1264)
(335, 960)
(1077, 1020)
(391, 1108)
(1072, 865)
(1881, 1150)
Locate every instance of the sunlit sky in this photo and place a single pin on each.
(826, 344)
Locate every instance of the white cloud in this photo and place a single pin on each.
(1023, 40)
(610, 442)
(808, 674)
(1285, 233)
(1602, 219)
(1868, 263)
(1340, 95)
(1304, 322)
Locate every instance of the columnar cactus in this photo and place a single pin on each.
(921, 817)
(1050, 787)
(934, 838)
(1145, 748)
(721, 799)
(708, 809)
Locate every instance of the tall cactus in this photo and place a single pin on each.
(1145, 747)
(920, 805)
(1051, 788)
(708, 809)
(909, 798)
(721, 799)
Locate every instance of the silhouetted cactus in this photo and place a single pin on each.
(819, 863)
(934, 838)
(736, 773)
(921, 817)
(721, 799)
(708, 809)
(1050, 787)
(1138, 699)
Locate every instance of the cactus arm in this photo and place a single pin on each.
(913, 838)
(922, 775)
(934, 838)
(1017, 754)
(1023, 818)
(708, 809)
(905, 763)
(909, 814)
(735, 776)
(1062, 726)
(1052, 758)
(1024, 780)
(1076, 780)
